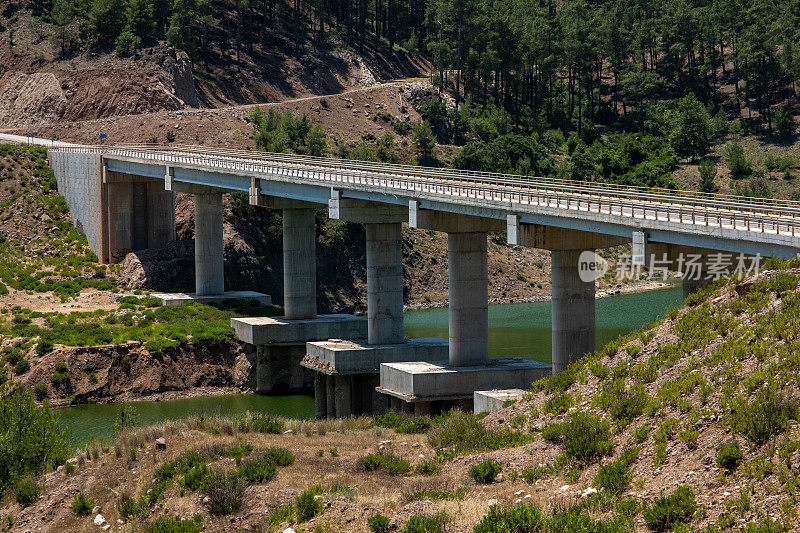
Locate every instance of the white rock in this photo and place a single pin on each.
(288, 530)
(288, 432)
(499, 478)
(96, 509)
(422, 456)
(205, 499)
(99, 520)
(527, 497)
(590, 490)
(565, 488)
(519, 492)
(491, 502)
(517, 501)
(726, 493)
(404, 443)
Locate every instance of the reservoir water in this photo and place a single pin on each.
(515, 330)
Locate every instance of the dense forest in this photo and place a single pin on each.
(624, 91)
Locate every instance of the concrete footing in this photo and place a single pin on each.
(359, 357)
(179, 298)
(281, 344)
(488, 401)
(428, 382)
(281, 330)
(355, 365)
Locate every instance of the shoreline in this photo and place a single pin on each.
(223, 391)
(631, 288)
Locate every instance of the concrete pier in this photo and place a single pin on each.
(299, 264)
(469, 298)
(208, 246)
(385, 283)
(573, 320)
(429, 386)
(354, 364)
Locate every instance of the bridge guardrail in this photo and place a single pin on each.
(624, 202)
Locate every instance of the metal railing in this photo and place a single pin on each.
(500, 190)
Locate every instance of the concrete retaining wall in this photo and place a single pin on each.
(79, 178)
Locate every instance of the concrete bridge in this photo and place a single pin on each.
(121, 197)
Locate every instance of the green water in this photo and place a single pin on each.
(515, 330)
(523, 330)
(89, 421)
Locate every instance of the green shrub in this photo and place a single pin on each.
(640, 433)
(525, 517)
(613, 477)
(584, 436)
(266, 424)
(558, 403)
(197, 476)
(378, 523)
(280, 456)
(667, 511)
(174, 525)
(427, 468)
(33, 439)
(128, 508)
(280, 515)
(485, 472)
(384, 461)
(82, 505)
(689, 437)
(460, 433)
(26, 491)
(259, 470)
(225, 493)
(730, 456)
(22, 366)
(405, 424)
(764, 417)
(307, 505)
(427, 524)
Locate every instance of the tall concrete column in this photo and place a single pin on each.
(209, 262)
(299, 263)
(139, 215)
(160, 215)
(469, 298)
(385, 283)
(120, 219)
(573, 310)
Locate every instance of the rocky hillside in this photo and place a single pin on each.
(688, 425)
(42, 82)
